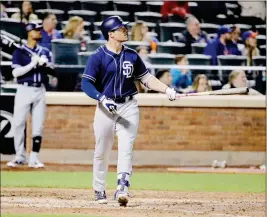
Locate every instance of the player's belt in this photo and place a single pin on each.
(30, 84)
(123, 100)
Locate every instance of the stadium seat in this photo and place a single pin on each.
(197, 48)
(199, 59)
(242, 27)
(178, 37)
(97, 25)
(94, 44)
(85, 14)
(124, 15)
(13, 26)
(148, 16)
(96, 35)
(83, 57)
(11, 11)
(97, 6)
(135, 44)
(65, 51)
(263, 50)
(61, 4)
(164, 59)
(230, 60)
(209, 28)
(167, 30)
(261, 29)
(172, 18)
(128, 6)
(261, 40)
(259, 60)
(154, 6)
(171, 48)
(60, 14)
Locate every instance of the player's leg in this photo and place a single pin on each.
(22, 105)
(104, 127)
(38, 115)
(126, 129)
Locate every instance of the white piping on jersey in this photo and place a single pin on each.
(39, 77)
(120, 72)
(34, 77)
(15, 65)
(89, 77)
(116, 70)
(140, 76)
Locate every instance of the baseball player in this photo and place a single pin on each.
(109, 78)
(30, 64)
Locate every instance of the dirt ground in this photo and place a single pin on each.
(142, 203)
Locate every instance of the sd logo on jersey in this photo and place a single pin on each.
(127, 69)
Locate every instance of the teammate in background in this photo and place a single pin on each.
(31, 73)
(109, 78)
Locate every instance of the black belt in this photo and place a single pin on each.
(123, 100)
(31, 84)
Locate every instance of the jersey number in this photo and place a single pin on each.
(127, 69)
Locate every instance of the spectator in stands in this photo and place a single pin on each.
(218, 46)
(239, 79)
(232, 44)
(49, 32)
(181, 78)
(140, 33)
(200, 84)
(193, 34)
(143, 53)
(164, 76)
(27, 13)
(180, 9)
(3, 13)
(74, 29)
(250, 49)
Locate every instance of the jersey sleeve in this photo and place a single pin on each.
(16, 59)
(139, 69)
(92, 67)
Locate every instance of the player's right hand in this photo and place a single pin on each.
(109, 105)
(35, 59)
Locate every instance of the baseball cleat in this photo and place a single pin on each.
(122, 198)
(101, 197)
(15, 163)
(35, 164)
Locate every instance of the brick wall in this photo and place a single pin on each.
(163, 128)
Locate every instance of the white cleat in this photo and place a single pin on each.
(101, 197)
(15, 163)
(35, 164)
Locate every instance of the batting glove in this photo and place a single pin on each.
(171, 93)
(42, 60)
(35, 59)
(109, 105)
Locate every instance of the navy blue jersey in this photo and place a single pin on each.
(113, 74)
(37, 74)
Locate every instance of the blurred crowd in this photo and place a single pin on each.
(229, 40)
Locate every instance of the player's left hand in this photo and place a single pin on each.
(171, 93)
(43, 60)
(109, 105)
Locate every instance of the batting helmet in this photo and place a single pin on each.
(110, 24)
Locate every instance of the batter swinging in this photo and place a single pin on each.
(109, 78)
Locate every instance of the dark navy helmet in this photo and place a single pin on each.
(33, 26)
(110, 24)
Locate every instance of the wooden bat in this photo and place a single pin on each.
(231, 91)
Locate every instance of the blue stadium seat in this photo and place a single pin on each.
(154, 6)
(65, 51)
(11, 11)
(197, 48)
(210, 28)
(199, 59)
(259, 60)
(263, 50)
(261, 29)
(167, 30)
(164, 59)
(60, 14)
(171, 48)
(135, 44)
(261, 40)
(97, 6)
(13, 26)
(61, 4)
(128, 6)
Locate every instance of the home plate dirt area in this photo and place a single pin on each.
(143, 203)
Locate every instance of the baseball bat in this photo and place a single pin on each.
(7, 41)
(231, 91)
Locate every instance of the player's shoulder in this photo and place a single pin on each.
(130, 50)
(97, 53)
